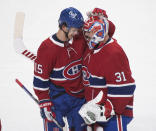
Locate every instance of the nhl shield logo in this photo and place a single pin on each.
(73, 70)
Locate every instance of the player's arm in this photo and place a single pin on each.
(43, 65)
(120, 84)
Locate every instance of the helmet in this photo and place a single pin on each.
(71, 17)
(111, 29)
(99, 27)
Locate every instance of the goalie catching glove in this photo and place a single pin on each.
(91, 112)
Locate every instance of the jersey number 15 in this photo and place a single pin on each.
(38, 68)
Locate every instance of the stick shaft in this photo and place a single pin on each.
(26, 90)
(19, 23)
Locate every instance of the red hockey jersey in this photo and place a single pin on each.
(108, 69)
(59, 63)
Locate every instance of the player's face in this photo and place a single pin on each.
(88, 35)
(73, 32)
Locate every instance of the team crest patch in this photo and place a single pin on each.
(73, 70)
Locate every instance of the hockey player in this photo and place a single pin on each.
(106, 68)
(57, 73)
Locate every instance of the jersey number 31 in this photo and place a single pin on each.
(120, 76)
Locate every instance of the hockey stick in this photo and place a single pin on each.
(37, 102)
(19, 24)
(18, 37)
(26, 90)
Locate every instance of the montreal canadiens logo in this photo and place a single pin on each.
(73, 70)
(86, 76)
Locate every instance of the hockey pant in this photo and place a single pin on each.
(65, 105)
(116, 123)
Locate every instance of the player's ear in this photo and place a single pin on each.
(65, 28)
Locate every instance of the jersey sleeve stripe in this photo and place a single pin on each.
(39, 84)
(59, 69)
(122, 90)
(57, 73)
(129, 107)
(41, 89)
(109, 95)
(98, 86)
(42, 79)
(94, 76)
(97, 81)
(57, 79)
(120, 85)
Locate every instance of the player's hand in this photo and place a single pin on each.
(106, 111)
(97, 12)
(92, 112)
(96, 113)
(46, 110)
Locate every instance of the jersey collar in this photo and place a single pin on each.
(97, 50)
(58, 42)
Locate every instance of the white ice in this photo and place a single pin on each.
(135, 22)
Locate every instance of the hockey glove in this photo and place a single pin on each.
(97, 12)
(46, 110)
(91, 112)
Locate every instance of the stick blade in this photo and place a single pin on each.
(19, 23)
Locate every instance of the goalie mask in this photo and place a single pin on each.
(97, 30)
